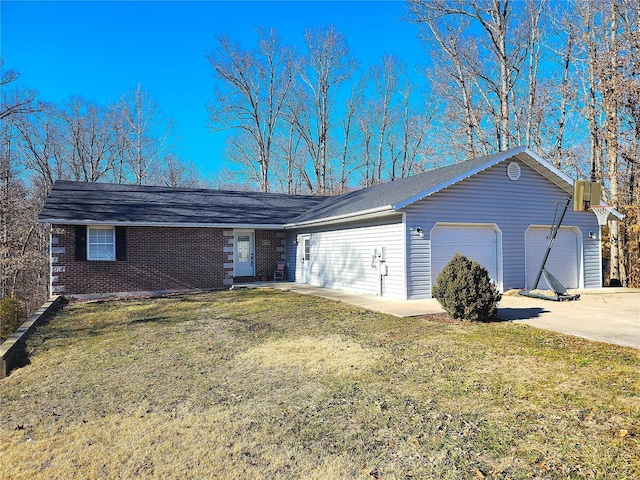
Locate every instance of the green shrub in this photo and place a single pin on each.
(465, 291)
(12, 315)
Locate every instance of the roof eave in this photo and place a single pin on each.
(349, 217)
(258, 226)
(560, 178)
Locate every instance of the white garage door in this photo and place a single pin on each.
(478, 242)
(563, 259)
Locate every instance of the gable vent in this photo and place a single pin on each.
(513, 171)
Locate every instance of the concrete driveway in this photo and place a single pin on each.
(609, 315)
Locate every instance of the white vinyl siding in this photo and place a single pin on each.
(343, 259)
(490, 197)
(101, 243)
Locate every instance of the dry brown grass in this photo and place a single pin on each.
(261, 384)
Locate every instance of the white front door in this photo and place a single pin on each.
(244, 254)
(305, 242)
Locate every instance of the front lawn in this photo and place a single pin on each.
(264, 384)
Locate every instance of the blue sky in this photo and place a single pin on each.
(101, 50)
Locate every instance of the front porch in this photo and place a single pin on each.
(252, 254)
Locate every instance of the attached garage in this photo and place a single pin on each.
(491, 209)
(564, 259)
(479, 242)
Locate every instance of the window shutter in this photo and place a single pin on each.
(81, 243)
(121, 243)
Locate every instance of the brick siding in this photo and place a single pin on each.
(157, 258)
(270, 249)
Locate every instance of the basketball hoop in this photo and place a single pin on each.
(602, 213)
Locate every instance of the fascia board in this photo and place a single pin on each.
(362, 215)
(263, 226)
(563, 176)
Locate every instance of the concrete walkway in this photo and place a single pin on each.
(398, 308)
(609, 315)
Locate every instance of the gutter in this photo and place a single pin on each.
(62, 221)
(348, 217)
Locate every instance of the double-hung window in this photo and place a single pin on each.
(101, 243)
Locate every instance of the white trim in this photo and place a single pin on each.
(361, 215)
(549, 166)
(304, 274)
(579, 253)
(507, 154)
(101, 227)
(495, 228)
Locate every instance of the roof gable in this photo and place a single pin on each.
(396, 195)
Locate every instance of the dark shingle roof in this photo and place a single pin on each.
(106, 202)
(111, 203)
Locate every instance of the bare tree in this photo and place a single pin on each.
(353, 104)
(610, 78)
(145, 137)
(178, 173)
(326, 66)
(89, 139)
(451, 66)
(15, 100)
(566, 29)
(23, 273)
(413, 133)
(40, 145)
(253, 87)
(495, 72)
(386, 78)
(533, 29)
(366, 119)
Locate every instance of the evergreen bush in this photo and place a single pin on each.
(465, 291)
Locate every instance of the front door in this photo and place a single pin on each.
(244, 254)
(306, 258)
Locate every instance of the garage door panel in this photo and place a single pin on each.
(478, 243)
(563, 261)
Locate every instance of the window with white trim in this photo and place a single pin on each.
(101, 243)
